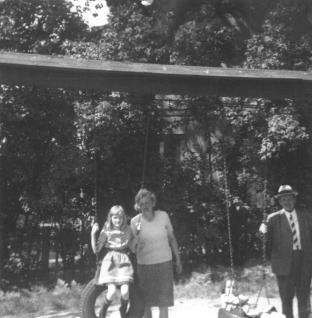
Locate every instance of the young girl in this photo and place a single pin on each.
(240, 305)
(116, 268)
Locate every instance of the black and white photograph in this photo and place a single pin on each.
(155, 158)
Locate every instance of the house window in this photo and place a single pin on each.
(171, 147)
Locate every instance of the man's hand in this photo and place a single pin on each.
(263, 228)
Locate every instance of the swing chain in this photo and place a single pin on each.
(227, 199)
(264, 215)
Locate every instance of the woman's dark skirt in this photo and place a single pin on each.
(156, 282)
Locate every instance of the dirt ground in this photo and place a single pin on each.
(184, 308)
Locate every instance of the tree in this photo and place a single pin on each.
(38, 26)
(245, 16)
(255, 138)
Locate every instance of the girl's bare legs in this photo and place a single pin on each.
(111, 289)
(163, 312)
(124, 291)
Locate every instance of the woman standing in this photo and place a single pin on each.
(154, 243)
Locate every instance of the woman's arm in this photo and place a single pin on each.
(135, 230)
(173, 245)
(127, 239)
(134, 244)
(175, 250)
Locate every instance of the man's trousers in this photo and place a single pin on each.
(296, 283)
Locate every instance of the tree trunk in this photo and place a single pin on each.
(56, 256)
(81, 246)
(46, 231)
(73, 253)
(29, 249)
(63, 251)
(1, 247)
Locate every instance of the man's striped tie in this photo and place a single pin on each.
(294, 233)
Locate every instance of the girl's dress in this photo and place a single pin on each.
(239, 306)
(116, 267)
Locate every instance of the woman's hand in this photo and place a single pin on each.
(95, 229)
(178, 266)
(138, 227)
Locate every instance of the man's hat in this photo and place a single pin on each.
(285, 189)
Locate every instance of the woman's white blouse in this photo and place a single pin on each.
(153, 244)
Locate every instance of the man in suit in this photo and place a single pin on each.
(289, 238)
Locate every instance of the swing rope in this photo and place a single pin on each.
(95, 201)
(95, 175)
(135, 264)
(145, 149)
(145, 154)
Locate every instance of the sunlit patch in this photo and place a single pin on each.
(147, 2)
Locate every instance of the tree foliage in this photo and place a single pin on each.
(38, 26)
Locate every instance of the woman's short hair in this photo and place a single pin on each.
(141, 194)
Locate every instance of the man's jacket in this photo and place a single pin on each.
(280, 241)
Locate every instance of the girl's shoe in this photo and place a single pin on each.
(123, 308)
(104, 308)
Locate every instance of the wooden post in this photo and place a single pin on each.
(2, 206)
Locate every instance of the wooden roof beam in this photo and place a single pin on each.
(68, 73)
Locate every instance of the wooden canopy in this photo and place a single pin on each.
(69, 73)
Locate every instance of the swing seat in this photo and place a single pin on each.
(222, 313)
(92, 292)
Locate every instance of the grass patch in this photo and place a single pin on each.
(205, 283)
(40, 300)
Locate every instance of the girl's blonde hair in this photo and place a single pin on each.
(116, 209)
